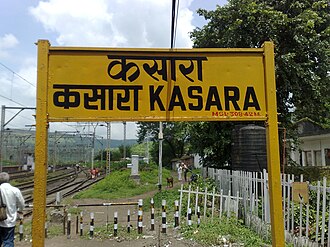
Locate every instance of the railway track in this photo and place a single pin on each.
(16, 175)
(67, 184)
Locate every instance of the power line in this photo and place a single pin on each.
(18, 75)
(12, 71)
(11, 100)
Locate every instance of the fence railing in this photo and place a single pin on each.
(212, 204)
(305, 223)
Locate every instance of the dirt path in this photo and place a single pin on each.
(104, 215)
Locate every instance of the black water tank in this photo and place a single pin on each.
(249, 148)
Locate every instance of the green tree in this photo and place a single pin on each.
(127, 150)
(116, 155)
(300, 31)
(175, 137)
(212, 142)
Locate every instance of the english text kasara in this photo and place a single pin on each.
(127, 98)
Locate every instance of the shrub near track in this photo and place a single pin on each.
(119, 185)
(223, 231)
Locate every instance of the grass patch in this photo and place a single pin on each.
(209, 233)
(54, 230)
(222, 231)
(119, 185)
(169, 195)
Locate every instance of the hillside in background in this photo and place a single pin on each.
(113, 143)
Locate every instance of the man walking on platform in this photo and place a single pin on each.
(14, 201)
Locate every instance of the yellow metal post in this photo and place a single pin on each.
(273, 156)
(41, 147)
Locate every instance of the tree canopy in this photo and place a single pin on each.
(175, 136)
(300, 31)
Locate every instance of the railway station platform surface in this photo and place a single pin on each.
(172, 237)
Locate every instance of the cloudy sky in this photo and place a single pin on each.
(107, 23)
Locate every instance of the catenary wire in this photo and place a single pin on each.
(18, 75)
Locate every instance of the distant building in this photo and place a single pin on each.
(314, 147)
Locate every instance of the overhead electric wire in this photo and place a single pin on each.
(11, 100)
(18, 75)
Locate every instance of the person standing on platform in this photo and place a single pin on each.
(179, 172)
(14, 201)
(185, 171)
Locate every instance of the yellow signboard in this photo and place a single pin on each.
(156, 85)
(95, 84)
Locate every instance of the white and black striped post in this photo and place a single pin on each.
(91, 227)
(128, 221)
(140, 216)
(152, 205)
(77, 224)
(189, 216)
(20, 228)
(68, 227)
(81, 224)
(163, 216)
(198, 216)
(115, 224)
(176, 215)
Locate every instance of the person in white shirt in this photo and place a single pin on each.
(179, 172)
(13, 199)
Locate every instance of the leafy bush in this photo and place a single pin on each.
(120, 185)
(311, 173)
(222, 231)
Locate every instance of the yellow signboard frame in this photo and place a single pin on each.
(155, 84)
(77, 84)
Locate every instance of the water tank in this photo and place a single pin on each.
(249, 148)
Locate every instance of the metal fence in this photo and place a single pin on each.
(305, 223)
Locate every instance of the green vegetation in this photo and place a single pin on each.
(310, 173)
(222, 231)
(210, 232)
(300, 32)
(54, 230)
(139, 149)
(119, 185)
(175, 144)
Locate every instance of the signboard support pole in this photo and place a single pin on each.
(160, 168)
(41, 148)
(273, 156)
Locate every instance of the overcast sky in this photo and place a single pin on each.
(107, 23)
